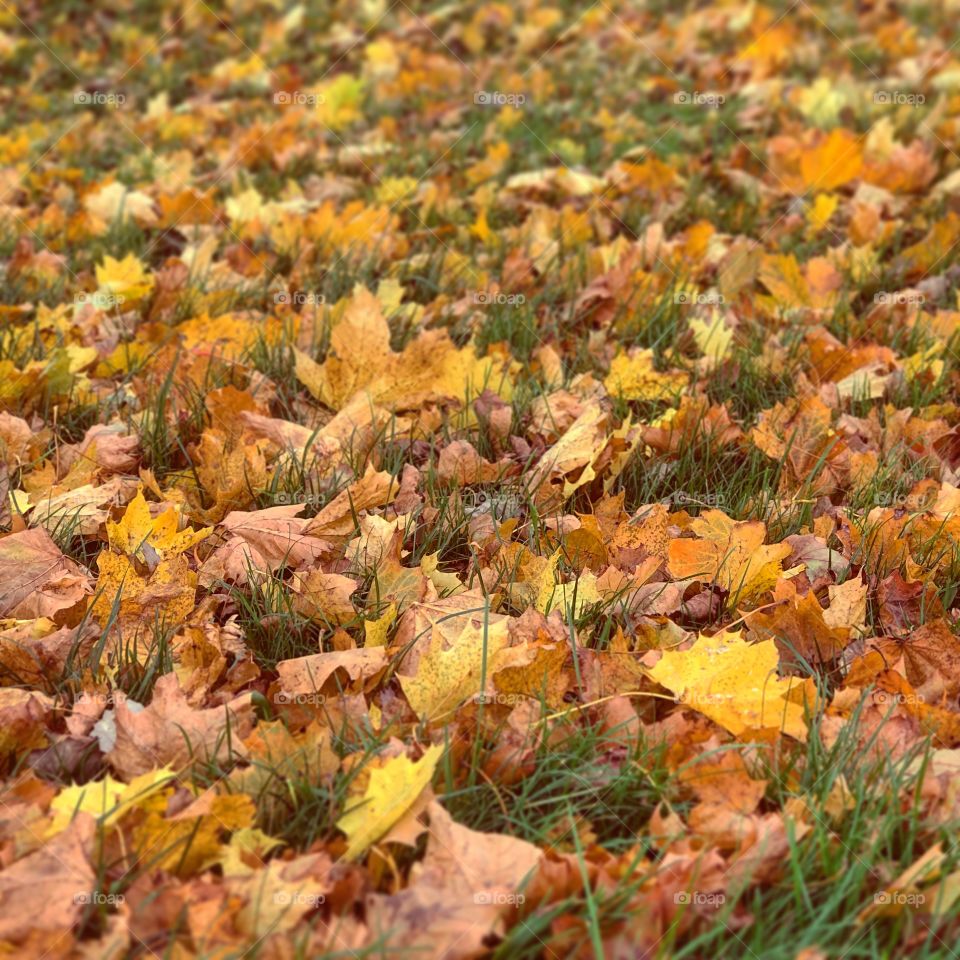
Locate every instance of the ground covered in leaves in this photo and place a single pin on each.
(479, 479)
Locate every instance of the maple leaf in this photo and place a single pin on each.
(37, 580)
(325, 596)
(461, 893)
(714, 338)
(125, 279)
(277, 897)
(429, 369)
(734, 683)
(56, 877)
(261, 541)
(170, 731)
(114, 203)
(108, 800)
(193, 836)
(579, 456)
(229, 471)
(633, 376)
(338, 518)
(799, 432)
(730, 554)
(694, 421)
(799, 627)
(307, 675)
(929, 658)
(149, 578)
(834, 161)
(446, 676)
(392, 790)
(139, 535)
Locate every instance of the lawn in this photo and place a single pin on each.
(479, 480)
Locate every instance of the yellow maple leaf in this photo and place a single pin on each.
(632, 376)
(821, 102)
(573, 596)
(714, 338)
(734, 683)
(247, 846)
(821, 210)
(446, 676)
(781, 275)
(393, 190)
(108, 800)
(429, 369)
(165, 596)
(339, 101)
(126, 278)
(391, 791)
(185, 842)
(245, 207)
(137, 533)
(147, 579)
(228, 472)
(375, 631)
(228, 335)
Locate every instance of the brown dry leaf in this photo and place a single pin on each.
(262, 541)
(695, 419)
(338, 518)
(38, 580)
(799, 431)
(278, 896)
(905, 604)
(170, 731)
(929, 657)
(817, 558)
(24, 719)
(725, 781)
(460, 464)
(306, 676)
(56, 880)
(35, 652)
(461, 894)
(16, 439)
(798, 626)
(109, 448)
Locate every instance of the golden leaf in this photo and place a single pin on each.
(446, 676)
(734, 683)
(391, 791)
(429, 369)
(632, 376)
